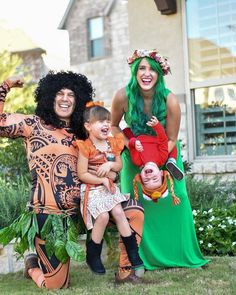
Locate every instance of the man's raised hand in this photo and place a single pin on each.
(15, 82)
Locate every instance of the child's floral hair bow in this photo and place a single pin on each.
(94, 103)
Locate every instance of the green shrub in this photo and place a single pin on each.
(206, 194)
(216, 230)
(13, 160)
(13, 199)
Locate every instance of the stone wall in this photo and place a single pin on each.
(112, 72)
(8, 260)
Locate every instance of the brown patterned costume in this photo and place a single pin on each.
(52, 160)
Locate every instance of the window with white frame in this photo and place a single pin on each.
(96, 37)
(211, 33)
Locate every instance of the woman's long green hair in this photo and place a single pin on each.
(135, 117)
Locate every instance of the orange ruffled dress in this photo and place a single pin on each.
(99, 198)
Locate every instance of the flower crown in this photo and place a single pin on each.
(162, 60)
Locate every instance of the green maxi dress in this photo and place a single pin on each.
(169, 237)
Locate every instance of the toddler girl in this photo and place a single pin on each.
(100, 197)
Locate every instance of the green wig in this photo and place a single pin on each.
(135, 117)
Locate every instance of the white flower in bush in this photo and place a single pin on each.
(222, 226)
(215, 230)
(230, 220)
(212, 218)
(194, 212)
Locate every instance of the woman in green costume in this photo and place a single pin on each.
(169, 237)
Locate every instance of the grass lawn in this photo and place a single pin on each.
(218, 278)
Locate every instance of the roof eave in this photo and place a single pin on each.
(30, 50)
(62, 23)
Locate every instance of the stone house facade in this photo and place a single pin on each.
(111, 71)
(33, 61)
(209, 144)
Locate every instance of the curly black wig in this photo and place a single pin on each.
(47, 89)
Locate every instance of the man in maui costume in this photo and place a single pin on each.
(52, 158)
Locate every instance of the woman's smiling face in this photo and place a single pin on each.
(146, 76)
